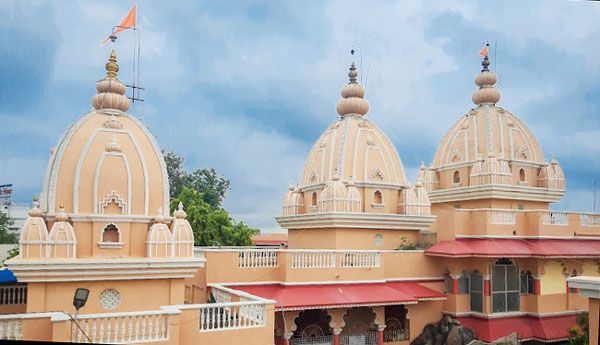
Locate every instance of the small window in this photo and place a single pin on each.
(476, 291)
(447, 282)
(111, 234)
(527, 283)
(378, 198)
(463, 283)
(314, 199)
(456, 177)
(522, 175)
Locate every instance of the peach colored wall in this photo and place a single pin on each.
(37, 329)
(13, 308)
(347, 239)
(43, 297)
(421, 314)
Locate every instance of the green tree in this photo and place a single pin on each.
(580, 333)
(210, 225)
(205, 181)
(5, 236)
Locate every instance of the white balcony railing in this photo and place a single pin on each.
(11, 325)
(11, 328)
(504, 217)
(233, 315)
(554, 218)
(590, 219)
(313, 259)
(257, 258)
(360, 259)
(15, 294)
(123, 328)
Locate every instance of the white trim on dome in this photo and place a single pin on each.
(332, 154)
(488, 128)
(342, 152)
(83, 154)
(48, 201)
(500, 115)
(97, 175)
(161, 161)
(387, 141)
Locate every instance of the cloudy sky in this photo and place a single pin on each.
(247, 87)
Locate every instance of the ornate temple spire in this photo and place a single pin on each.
(487, 92)
(353, 102)
(110, 90)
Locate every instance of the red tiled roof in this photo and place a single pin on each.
(546, 329)
(294, 297)
(496, 247)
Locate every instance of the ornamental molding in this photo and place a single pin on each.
(110, 198)
(355, 220)
(497, 191)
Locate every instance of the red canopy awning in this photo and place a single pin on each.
(506, 247)
(546, 329)
(295, 297)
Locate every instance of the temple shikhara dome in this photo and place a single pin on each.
(100, 218)
(491, 151)
(353, 168)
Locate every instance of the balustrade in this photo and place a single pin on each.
(504, 217)
(390, 335)
(313, 259)
(11, 328)
(233, 315)
(16, 294)
(589, 219)
(257, 258)
(127, 327)
(554, 218)
(360, 259)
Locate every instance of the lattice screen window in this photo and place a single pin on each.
(110, 299)
(506, 289)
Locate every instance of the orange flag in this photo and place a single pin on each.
(127, 23)
(484, 51)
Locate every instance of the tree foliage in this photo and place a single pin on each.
(211, 226)
(205, 181)
(580, 333)
(6, 237)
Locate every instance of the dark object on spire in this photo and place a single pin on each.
(353, 74)
(352, 52)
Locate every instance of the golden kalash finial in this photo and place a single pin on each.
(111, 67)
(35, 197)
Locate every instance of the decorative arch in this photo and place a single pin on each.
(378, 198)
(456, 177)
(522, 176)
(160, 241)
(111, 236)
(397, 323)
(61, 241)
(359, 320)
(113, 197)
(314, 199)
(312, 323)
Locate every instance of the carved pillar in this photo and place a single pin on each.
(336, 336)
(536, 285)
(380, 329)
